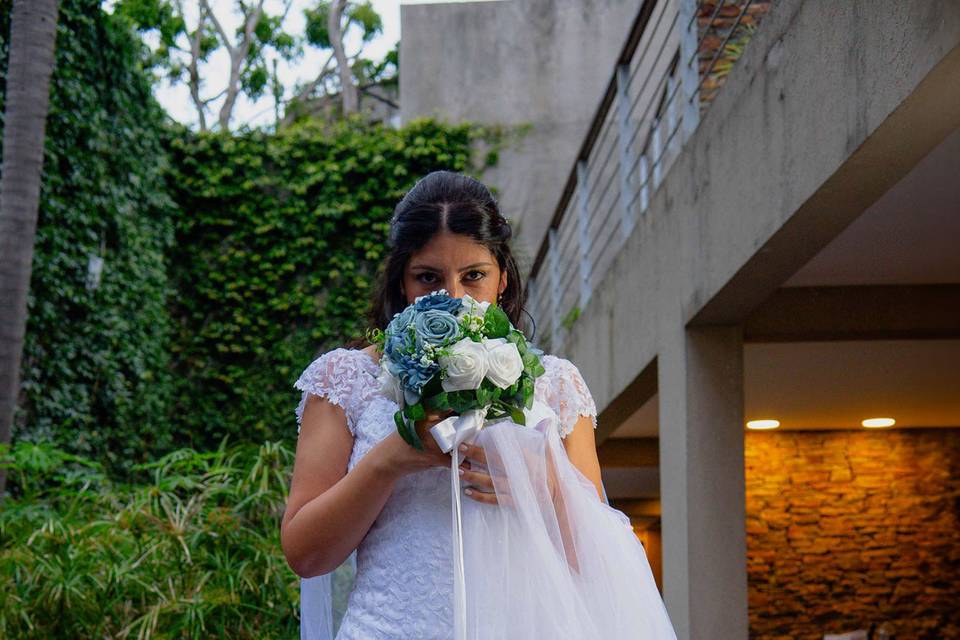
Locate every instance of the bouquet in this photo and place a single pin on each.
(452, 353)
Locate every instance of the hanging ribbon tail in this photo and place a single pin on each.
(450, 434)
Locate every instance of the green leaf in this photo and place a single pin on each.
(495, 322)
(484, 396)
(516, 337)
(415, 411)
(439, 402)
(529, 360)
(461, 401)
(517, 415)
(407, 431)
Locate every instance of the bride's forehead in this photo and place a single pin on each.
(450, 251)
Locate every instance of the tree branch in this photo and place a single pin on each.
(348, 91)
(216, 23)
(194, 69)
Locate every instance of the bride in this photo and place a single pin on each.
(544, 555)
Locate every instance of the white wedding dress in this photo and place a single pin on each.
(578, 573)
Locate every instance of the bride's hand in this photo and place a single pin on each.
(401, 459)
(423, 427)
(472, 473)
(482, 484)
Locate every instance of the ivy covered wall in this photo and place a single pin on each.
(95, 374)
(278, 239)
(228, 261)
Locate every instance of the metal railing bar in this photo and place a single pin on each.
(639, 94)
(639, 59)
(666, 102)
(638, 30)
(666, 145)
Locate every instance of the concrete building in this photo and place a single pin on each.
(784, 250)
(536, 65)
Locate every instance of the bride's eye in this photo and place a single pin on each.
(479, 275)
(426, 277)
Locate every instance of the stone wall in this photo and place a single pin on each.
(849, 528)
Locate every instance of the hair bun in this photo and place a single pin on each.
(506, 231)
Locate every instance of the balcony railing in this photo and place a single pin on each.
(674, 61)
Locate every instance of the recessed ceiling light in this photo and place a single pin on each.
(878, 422)
(763, 424)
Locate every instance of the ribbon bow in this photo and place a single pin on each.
(450, 434)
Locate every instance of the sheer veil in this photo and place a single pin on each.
(551, 560)
(317, 595)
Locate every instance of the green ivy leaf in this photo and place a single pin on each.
(415, 411)
(407, 431)
(495, 322)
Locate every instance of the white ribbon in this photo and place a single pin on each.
(450, 434)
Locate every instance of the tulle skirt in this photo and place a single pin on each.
(552, 560)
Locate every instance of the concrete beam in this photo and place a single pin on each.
(640, 389)
(889, 312)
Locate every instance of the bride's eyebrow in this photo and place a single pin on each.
(425, 267)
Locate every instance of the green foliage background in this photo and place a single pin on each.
(230, 261)
(278, 241)
(95, 374)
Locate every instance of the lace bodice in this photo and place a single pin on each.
(403, 563)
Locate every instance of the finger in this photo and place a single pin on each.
(481, 496)
(477, 478)
(475, 452)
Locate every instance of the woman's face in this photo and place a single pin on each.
(455, 263)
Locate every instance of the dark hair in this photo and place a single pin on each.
(453, 202)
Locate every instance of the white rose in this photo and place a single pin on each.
(465, 366)
(504, 364)
(389, 383)
(472, 307)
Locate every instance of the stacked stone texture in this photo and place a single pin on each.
(849, 528)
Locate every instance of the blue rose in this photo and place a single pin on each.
(413, 374)
(401, 320)
(439, 302)
(396, 345)
(436, 327)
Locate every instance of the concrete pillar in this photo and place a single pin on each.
(700, 387)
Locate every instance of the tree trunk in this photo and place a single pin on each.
(348, 91)
(33, 34)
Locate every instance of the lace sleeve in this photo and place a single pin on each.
(331, 376)
(563, 389)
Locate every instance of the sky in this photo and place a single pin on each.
(176, 99)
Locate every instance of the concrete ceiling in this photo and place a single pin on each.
(911, 235)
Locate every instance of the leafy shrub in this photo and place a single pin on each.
(192, 549)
